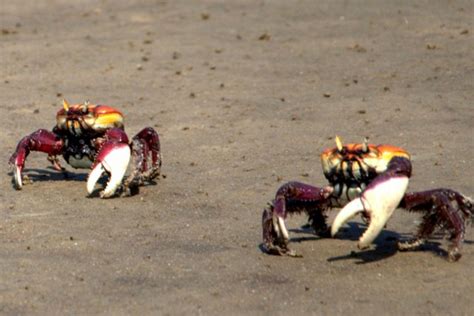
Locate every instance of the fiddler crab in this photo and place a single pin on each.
(93, 136)
(371, 180)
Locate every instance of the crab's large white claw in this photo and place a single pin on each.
(115, 162)
(379, 201)
(350, 210)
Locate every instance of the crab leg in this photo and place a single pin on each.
(41, 140)
(145, 145)
(293, 197)
(113, 157)
(442, 208)
(379, 200)
(151, 145)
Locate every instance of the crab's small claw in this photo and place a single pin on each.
(113, 158)
(378, 201)
(312, 200)
(17, 163)
(41, 140)
(17, 177)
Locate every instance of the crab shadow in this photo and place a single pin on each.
(386, 245)
(352, 232)
(51, 174)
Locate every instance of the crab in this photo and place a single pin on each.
(370, 180)
(93, 136)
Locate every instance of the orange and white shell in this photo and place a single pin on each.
(86, 117)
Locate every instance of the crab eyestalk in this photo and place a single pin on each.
(84, 107)
(365, 145)
(65, 105)
(339, 145)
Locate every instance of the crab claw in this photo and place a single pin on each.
(378, 201)
(17, 162)
(112, 158)
(17, 177)
(41, 140)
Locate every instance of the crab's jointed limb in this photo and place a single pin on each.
(442, 208)
(41, 140)
(294, 197)
(379, 200)
(145, 146)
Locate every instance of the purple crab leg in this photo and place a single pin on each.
(293, 197)
(442, 208)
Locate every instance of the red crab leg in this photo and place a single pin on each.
(378, 201)
(113, 157)
(41, 140)
(442, 208)
(151, 144)
(293, 197)
(145, 144)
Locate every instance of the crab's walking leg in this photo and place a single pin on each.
(293, 197)
(41, 140)
(379, 200)
(113, 157)
(443, 208)
(145, 146)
